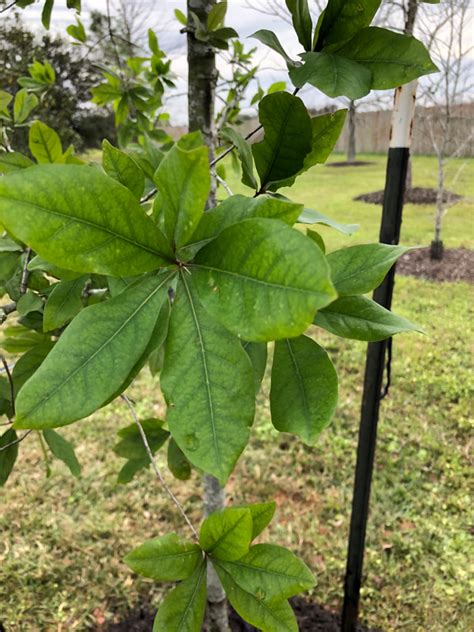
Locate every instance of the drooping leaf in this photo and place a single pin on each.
(287, 139)
(183, 181)
(62, 450)
(257, 352)
(309, 216)
(226, 535)
(343, 19)
(360, 269)
(131, 444)
(46, 13)
(208, 383)
(301, 21)
(270, 572)
(104, 340)
(177, 462)
(392, 58)
(166, 558)
(24, 104)
(360, 318)
(244, 151)
(184, 607)
(271, 616)
(122, 167)
(262, 280)
(268, 38)
(304, 388)
(333, 74)
(8, 455)
(45, 144)
(81, 220)
(63, 303)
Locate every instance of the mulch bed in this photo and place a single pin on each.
(415, 195)
(346, 163)
(311, 618)
(457, 265)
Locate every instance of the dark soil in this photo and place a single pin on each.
(457, 265)
(416, 195)
(346, 163)
(311, 618)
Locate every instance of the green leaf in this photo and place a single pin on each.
(216, 17)
(45, 144)
(183, 181)
(121, 167)
(77, 31)
(316, 237)
(275, 616)
(257, 352)
(208, 383)
(333, 74)
(130, 468)
(342, 19)
(13, 161)
(5, 100)
(29, 363)
(268, 38)
(244, 151)
(8, 456)
(167, 558)
(269, 573)
(177, 462)
(308, 216)
(64, 302)
(263, 280)
(79, 219)
(104, 340)
(392, 58)
(184, 607)
(29, 302)
(360, 269)
(262, 515)
(304, 388)
(301, 21)
(46, 13)
(24, 104)
(131, 444)
(62, 450)
(74, 4)
(226, 535)
(179, 15)
(360, 318)
(287, 139)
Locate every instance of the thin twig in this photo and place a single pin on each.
(9, 6)
(224, 184)
(10, 380)
(26, 273)
(9, 445)
(155, 466)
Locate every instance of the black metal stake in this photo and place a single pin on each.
(397, 166)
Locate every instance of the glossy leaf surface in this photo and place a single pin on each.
(227, 534)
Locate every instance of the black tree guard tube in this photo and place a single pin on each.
(397, 165)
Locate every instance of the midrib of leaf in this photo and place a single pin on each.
(193, 596)
(367, 320)
(300, 382)
(80, 220)
(107, 342)
(45, 145)
(277, 148)
(206, 370)
(226, 534)
(264, 571)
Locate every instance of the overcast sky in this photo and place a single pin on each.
(246, 21)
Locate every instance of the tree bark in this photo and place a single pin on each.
(202, 82)
(351, 146)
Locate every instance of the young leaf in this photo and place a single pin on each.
(304, 388)
(262, 280)
(360, 269)
(62, 450)
(167, 558)
(81, 220)
(24, 104)
(208, 383)
(180, 17)
(183, 181)
(333, 74)
(226, 535)
(216, 17)
(13, 161)
(45, 144)
(245, 154)
(392, 58)
(342, 19)
(184, 607)
(104, 340)
(121, 167)
(360, 318)
(309, 216)
(131, 444)
(271, 616)
(63, 303)
(271, 572)
(287, 139)
(301, 21)
(257, 352)
(177, 462)
(8, 456)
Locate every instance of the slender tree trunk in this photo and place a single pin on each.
(437, 250)
(409, 181)
(351, 146)
(202, 81)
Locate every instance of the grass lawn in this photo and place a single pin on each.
(62, 539)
